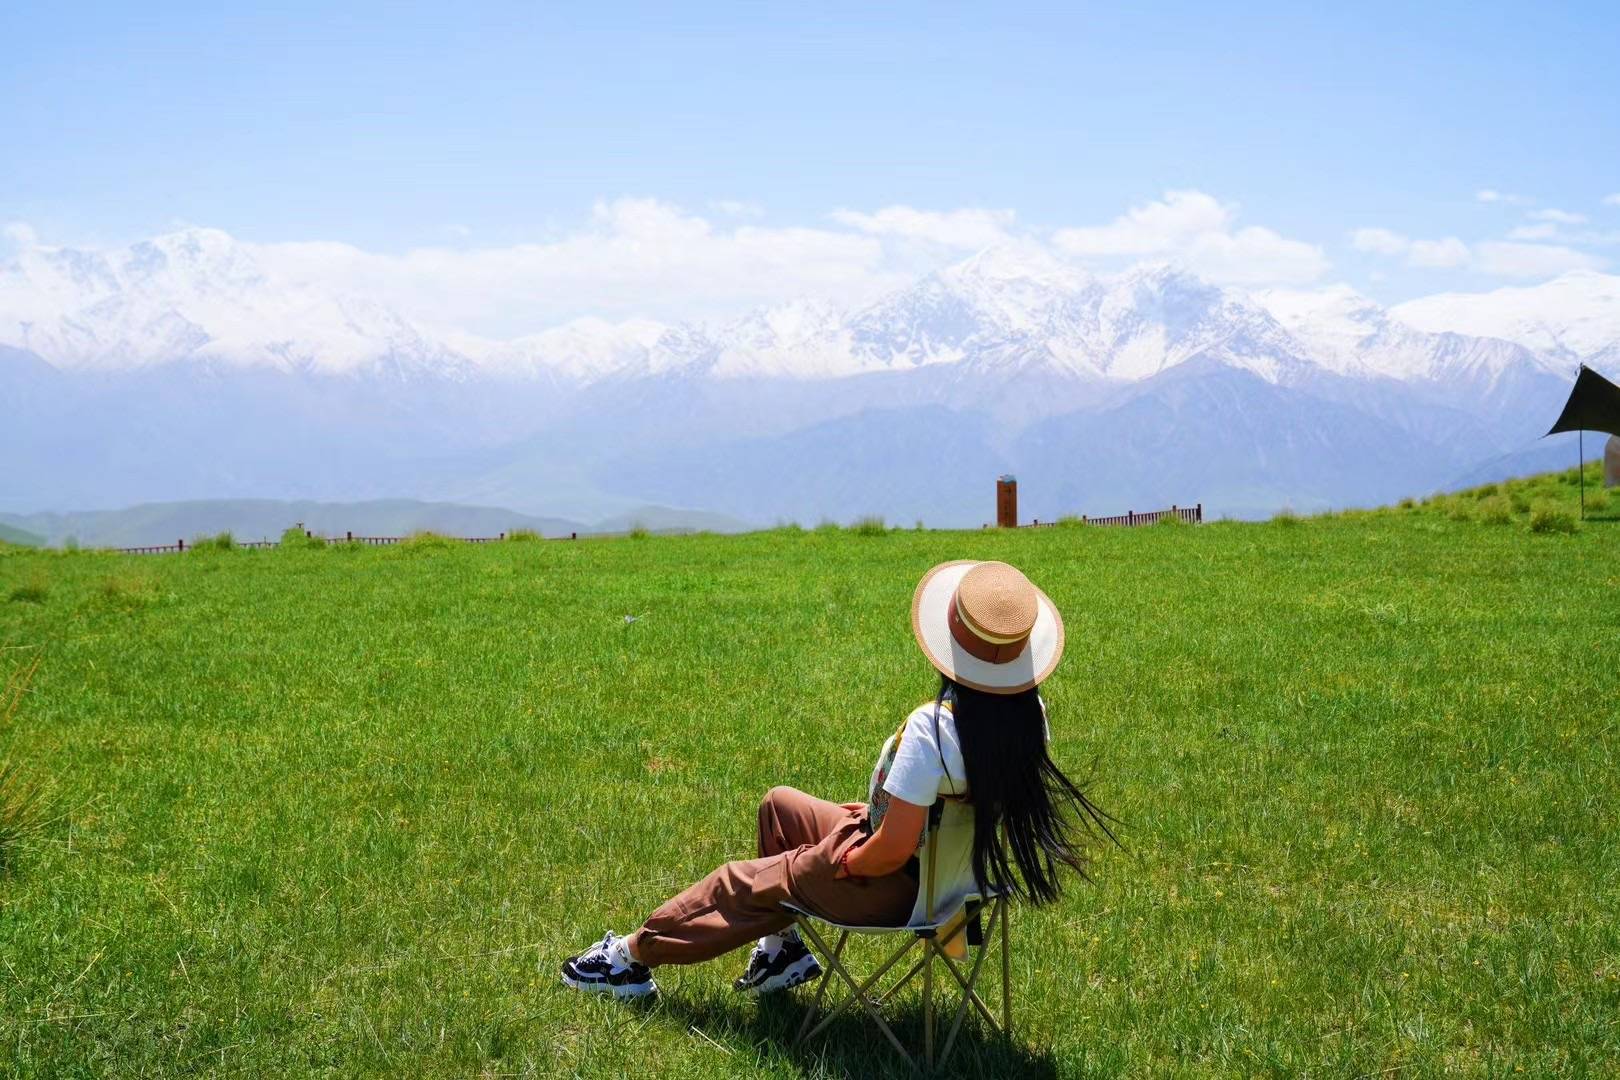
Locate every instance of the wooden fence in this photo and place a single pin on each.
(1192, 515)
(347, 538)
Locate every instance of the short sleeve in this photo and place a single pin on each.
(916, 773)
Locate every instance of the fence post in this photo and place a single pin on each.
(573, 536)
(503, 535)
(1130, 517)
(1199, 511)
(348, 536)
(182, 543)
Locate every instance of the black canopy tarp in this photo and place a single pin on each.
(1593, 405)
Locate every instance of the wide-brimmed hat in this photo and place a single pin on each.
(985, 625)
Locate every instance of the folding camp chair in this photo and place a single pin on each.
(935, 931)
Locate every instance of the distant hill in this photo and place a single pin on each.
(11, 535)
(266, 519)
(664, 519)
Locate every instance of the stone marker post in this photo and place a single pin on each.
(1007, 502)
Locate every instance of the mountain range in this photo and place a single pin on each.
(266, 519)
(184, 367)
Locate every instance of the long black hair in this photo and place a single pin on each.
(1021, 800)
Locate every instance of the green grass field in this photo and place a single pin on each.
(343, 812)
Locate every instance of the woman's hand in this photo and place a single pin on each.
(841, 871)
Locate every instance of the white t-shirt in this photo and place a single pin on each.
(926, 768)
(920, 770)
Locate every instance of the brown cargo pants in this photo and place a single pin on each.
(800, 841)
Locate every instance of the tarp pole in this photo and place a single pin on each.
(1580, 444)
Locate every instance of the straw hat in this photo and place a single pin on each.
(984, 625)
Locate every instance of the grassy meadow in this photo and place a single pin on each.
(336, 811)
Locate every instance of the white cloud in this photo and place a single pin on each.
(1612, 200)
(644, 258)
(1380, 241)
(1544, 231)
(1506, 259)
(637, 257)
(969, 229)
(19, 235)
(1151, 229)
(737, 208)
(1515, 257)
(1443, 253)
(1195, 229)
(1491, 195)
(1559, 217)
(1446, 252)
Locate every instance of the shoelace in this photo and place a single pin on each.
(600, 951)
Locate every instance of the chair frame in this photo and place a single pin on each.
(933, 944)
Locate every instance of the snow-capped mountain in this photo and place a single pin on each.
(198, 295)
(166, 369)
(1571, 318)
(579, 351)
(1351, 335)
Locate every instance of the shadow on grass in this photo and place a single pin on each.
(851, 1045)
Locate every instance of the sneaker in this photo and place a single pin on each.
(597, 970)
(784, 969)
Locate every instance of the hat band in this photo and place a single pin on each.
(978, 648)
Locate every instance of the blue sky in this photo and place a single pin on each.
(479, 126)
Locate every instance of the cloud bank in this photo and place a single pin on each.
(648, 258)
(1195, 229)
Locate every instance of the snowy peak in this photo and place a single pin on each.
(198, 296)
(580, 350)
(1012, 284)
(1571, 318)
(990, 314)
(1351, 335)
(799, 339)
(1158, 317)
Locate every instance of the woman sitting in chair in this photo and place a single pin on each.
(980, 748)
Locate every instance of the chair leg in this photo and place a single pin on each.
(961, 1009)
(928, 1003)
(916, 968)
(1006, 967)
(905, 980)
(850, 999)
(821, 988)
(971, 994)
(858, 994)
(864, 987)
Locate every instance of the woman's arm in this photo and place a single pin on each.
(887, 850)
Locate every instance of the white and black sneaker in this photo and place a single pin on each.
(788, 966)
(604, 968)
